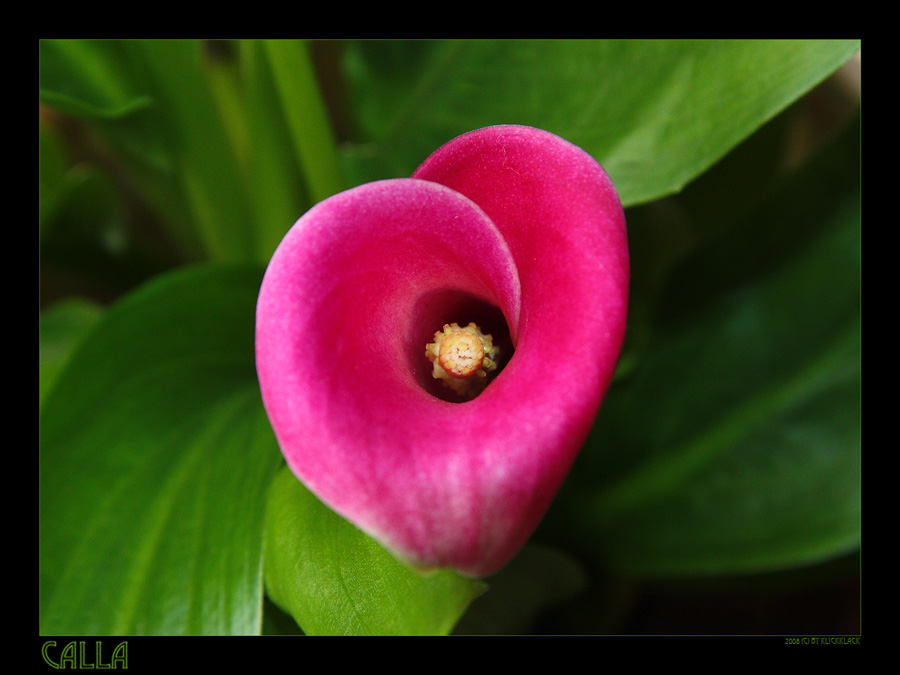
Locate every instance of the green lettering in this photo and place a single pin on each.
(120, 656)
(68, 656)
(82, 661)
(50, 662)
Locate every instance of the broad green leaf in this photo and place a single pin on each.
(61, 329)
(734, 445)
(155, 458)
(655, 113)
(335, 580)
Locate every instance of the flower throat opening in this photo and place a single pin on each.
(462, 358)
(451, 307)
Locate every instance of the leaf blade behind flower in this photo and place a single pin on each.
(734, 444)
(335, 580)
(155, 458)
(655, 113)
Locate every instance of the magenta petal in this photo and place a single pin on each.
(508, 223)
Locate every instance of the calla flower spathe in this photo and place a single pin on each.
(511, 228)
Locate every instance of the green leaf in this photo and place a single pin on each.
(734, 444)
(106, 83)
(152, 101)
(655, 113)
(335, 580)
(206, 164)
(275, 181)
(61, 329)
(306, 117)
(155, 459)
(89, 78)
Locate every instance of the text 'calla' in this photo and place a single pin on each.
(508, 227)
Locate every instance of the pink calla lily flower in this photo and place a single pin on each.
(510, 229)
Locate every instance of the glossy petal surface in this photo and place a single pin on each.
(507, 226)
